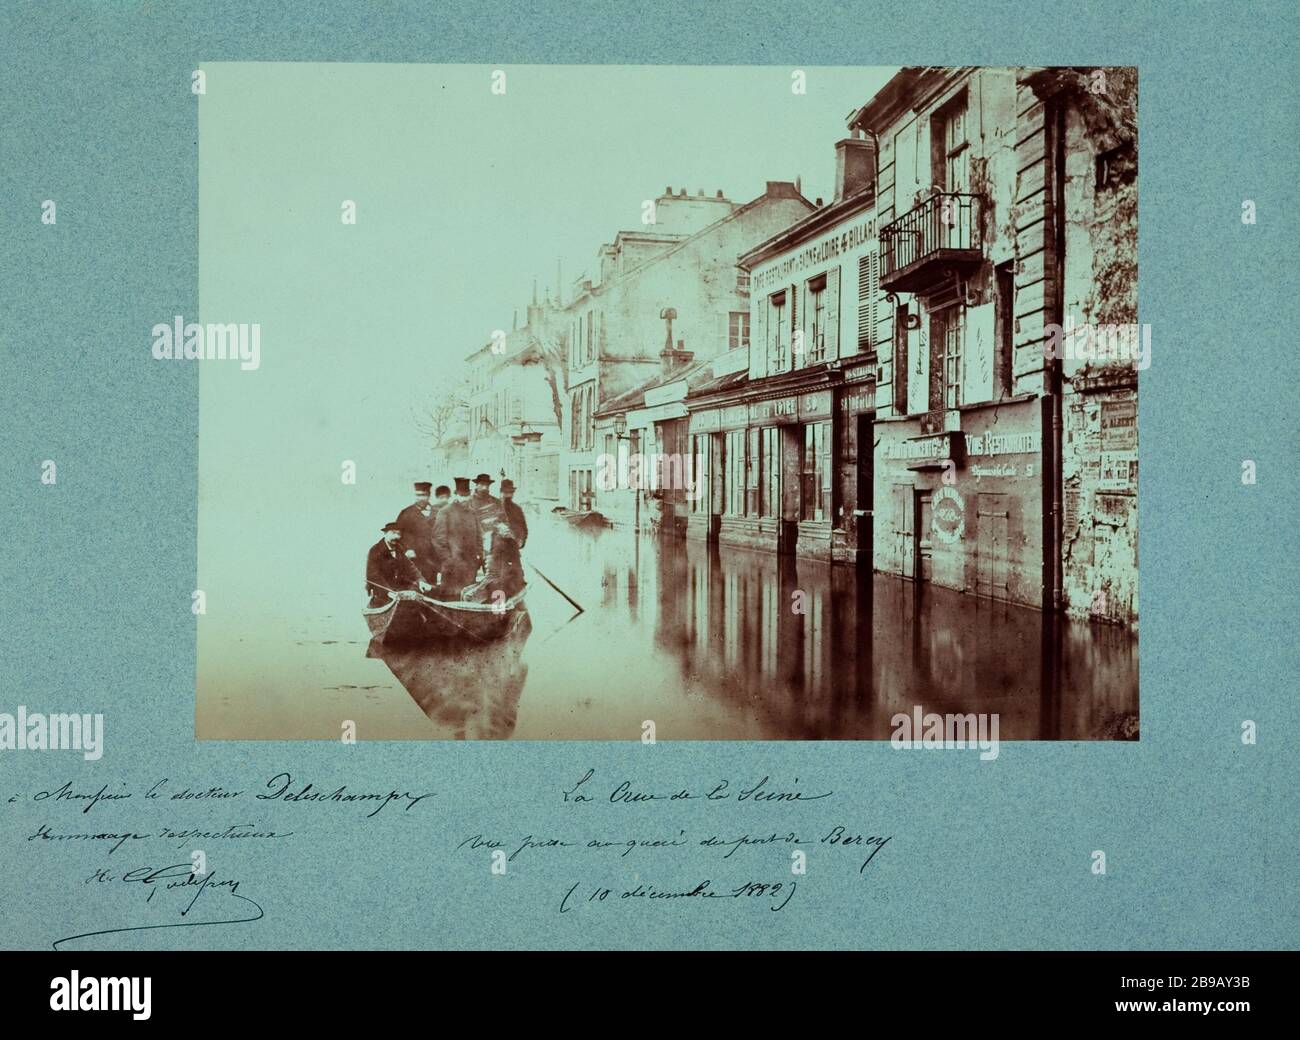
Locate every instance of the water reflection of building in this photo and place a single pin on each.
(813, 651)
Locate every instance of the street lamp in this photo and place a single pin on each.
(620, 433)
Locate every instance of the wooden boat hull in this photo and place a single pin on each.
(412, 619)
(583, 518)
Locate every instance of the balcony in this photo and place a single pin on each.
(939, 238)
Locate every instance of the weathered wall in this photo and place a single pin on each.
(1100, 445)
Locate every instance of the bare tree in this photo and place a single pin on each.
(436, 417)
(548, 342)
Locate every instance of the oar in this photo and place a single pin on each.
(572, 602)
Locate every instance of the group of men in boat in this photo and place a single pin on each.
(452, 547)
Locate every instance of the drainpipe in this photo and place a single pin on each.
(1055, 379)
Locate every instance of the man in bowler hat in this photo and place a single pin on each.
(486, 505)
(512, 513)
(389, 568)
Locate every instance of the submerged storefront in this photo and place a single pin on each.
(770, 463)
(964, 508)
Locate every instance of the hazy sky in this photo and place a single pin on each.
(462, 198)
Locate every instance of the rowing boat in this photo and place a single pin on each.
(583, 519)
(410, 618)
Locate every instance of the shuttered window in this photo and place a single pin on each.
(831, 346)
(868, 290)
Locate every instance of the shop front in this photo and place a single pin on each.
(964, 508)
(770, 470)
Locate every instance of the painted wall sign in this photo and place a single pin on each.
(914, 448)
(818, 252)
(948, 512)
(1004, 444)
(783, 409)
(860, 401)
(815, 405)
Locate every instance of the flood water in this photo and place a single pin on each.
(709, 645)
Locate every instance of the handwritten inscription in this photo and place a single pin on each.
(724, 790)
(752, 843)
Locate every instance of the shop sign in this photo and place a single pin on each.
(818, 253)
(863, 400)
(816, 405)
(782, 409)
(1004, 443)
(918, 449)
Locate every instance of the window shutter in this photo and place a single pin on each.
(832, 350)
(796, 308)
(868, 290)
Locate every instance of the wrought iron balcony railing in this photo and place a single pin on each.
(942, 232)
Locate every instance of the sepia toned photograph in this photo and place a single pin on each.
(666, 403)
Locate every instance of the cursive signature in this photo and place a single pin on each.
(176, 879)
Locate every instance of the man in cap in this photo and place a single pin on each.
(416, 522)
(458, 540)
(389, 569)
(486, 505)
(512, 513)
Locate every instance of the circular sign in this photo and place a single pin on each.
(948, 513)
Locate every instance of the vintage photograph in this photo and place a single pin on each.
(658, 403)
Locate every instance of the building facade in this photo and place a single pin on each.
(1006, 204)
(918, 398)
(684, 271)
(779, 446)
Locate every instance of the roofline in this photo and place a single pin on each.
(909, 89)
(743, 208)
(788, 237)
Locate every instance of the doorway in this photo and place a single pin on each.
(923, 547)
(864, 515)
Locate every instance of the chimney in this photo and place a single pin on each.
(673, 361)
(855, 167)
